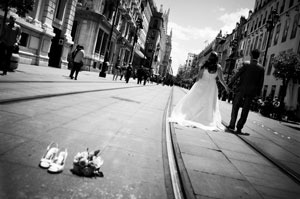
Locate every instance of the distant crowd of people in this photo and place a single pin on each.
(142, 74)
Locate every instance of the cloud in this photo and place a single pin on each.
(222, 9)
(191, 33)
(230, 19)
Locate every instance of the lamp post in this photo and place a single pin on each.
(271, 22)
(107, 45)
(139, 25)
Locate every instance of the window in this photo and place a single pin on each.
(277, 5)
(260, 20)
(251, 46)
(277, 34)
(248, 47)
(99, 41)
(260, 41)
(265, 41)
(272, 93)
(255, 44)
(285, 30)
(282, 7)
(105, 38)
(60, 9)
(265, 17)
(265, 91)
(270, 64)
(24, 39)
(291, 3)
(295, 24)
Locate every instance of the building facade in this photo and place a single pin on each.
(252, 33)
(46, 32)
(103, 27)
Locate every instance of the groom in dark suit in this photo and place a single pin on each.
(251, 76)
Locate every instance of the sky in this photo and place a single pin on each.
(195, 23)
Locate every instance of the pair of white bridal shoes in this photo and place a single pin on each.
(54, 158)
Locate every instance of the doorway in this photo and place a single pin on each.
(55, 49)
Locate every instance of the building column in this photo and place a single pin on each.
(45, 8)
(35, 15)
(66, 30)
(47, 17)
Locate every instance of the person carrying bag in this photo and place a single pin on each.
(78, 56)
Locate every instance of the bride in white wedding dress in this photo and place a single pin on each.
(200, 106)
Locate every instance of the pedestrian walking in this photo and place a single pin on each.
(128, 72)
(122, 71)
(140, 74)
(251, 79)
(10, 39)
(145, 76)
(78, 61)
(116, 70)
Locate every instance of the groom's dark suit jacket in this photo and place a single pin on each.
(251, 79)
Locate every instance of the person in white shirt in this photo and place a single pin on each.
(78, 56)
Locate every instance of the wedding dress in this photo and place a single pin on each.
(200, 106)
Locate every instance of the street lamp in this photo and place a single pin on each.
(139, 25)
(271, 22)
(107, 46)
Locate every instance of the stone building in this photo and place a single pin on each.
(103, 27)
(284, 36)
(110, 28)
(167, 45)
(46, 32)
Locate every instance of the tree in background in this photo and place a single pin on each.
(287, 68)
(22, 7)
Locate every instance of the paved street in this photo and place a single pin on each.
(39, 105)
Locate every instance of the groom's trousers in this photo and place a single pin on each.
(243, 101)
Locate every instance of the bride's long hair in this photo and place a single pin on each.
(211, 64)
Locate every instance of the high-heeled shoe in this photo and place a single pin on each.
(59, 161)
(49, 155)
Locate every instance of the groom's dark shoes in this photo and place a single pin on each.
(239, 132)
